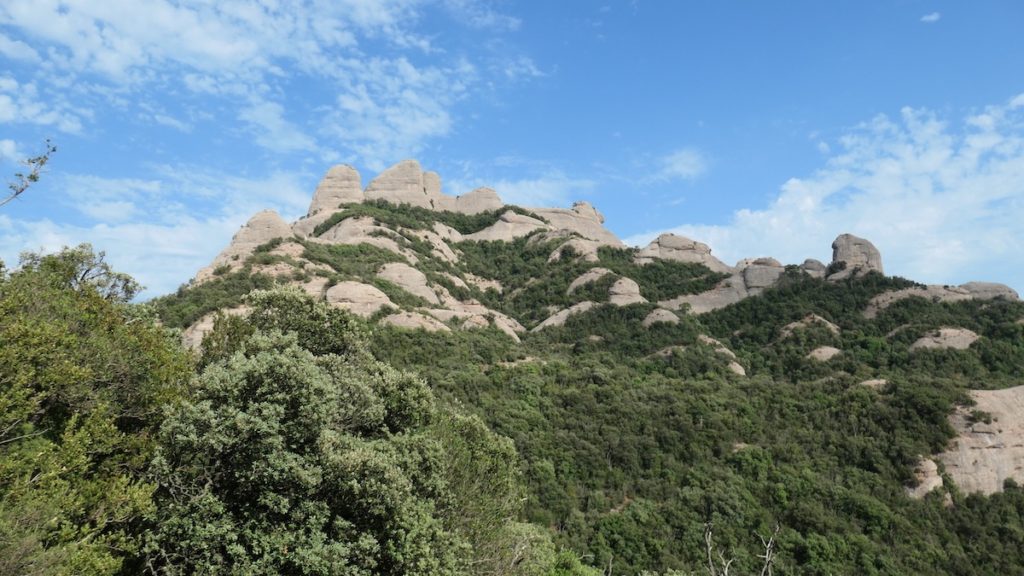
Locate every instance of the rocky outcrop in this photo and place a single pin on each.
(939, 293)
(360, 299)
(364, 230)
(823, 353)
(580, 248)
(660, 315)
(983, 455)
(624, 292)
(582, 219)
(510, 225)
(926, 475)
(403, 184)
(760, 273)
(807, 322)
(681, 249)
(260, 229)
(341, 185)
(414, 321)
(592, 275)
(477, 201)
(728, 291)
(813, 268)
(875, 383)
(955, 338)
(409, 279)
(853, 256)
(559, 318)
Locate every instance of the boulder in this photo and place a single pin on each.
(854, 256)
(823, 353)
(955, 338)
(261, 228)
(984, 455)
(414, 321)
(624, 292)
(660, 315)
(360, 299)
(592, 275)
(760, 274)
(814, 268)
(409, 279)
(341, 185)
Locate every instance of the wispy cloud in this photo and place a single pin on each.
(246, 54)
(158, 229)
(943, 203)
(682, 164)
(272, 130)
(931, 18)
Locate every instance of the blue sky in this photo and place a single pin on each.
(761, 128)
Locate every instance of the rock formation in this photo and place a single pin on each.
(939, 293)
(955, 338)
(625, 292)
(983, 455)
(823, 353)
(660, 315)
(853, 256)
(261, 228)
(680, 249)
(341, 185)
(361, 299)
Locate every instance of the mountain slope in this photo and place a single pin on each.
(650, 392)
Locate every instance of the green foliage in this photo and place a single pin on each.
(416, 218)
(190, 304)
(300, 453)
(660, 279)
(83, 375)
(350, 260)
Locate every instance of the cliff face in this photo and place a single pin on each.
(419, 275)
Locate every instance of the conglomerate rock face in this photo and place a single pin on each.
(985, 454)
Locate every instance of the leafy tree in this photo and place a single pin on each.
(301, 454)
(83, 374)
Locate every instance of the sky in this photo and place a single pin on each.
(759, 128)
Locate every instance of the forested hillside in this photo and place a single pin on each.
(388, 388)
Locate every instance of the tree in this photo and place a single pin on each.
(301, 454)
(83, 374)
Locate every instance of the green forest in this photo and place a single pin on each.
(301, 439)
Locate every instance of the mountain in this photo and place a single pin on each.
(872, 423)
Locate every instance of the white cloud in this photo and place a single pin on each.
(172, 122)
(683, 164)
(21, 102)
(17, 50)
(273, 131)
(931, 18)
(944, 205)
(159, 230)
(388, 109)
(249, 52)
(9, 150)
